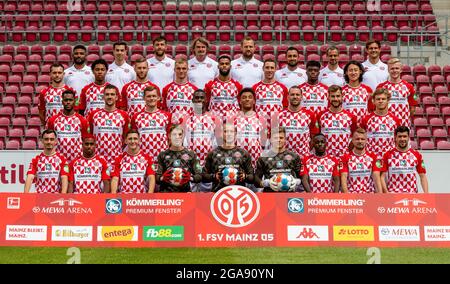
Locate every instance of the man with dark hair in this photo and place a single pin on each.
(50, 98)
(271, 95)
(152, 124)
(332, 74)
(300, 124)
(202, 69)
(133, 169)
(177, 166)
(320, 171)
(376, 71)
(222, 92)
(91, 98)
(160, 66)
(177, 96)
(70, 127)
(246, 69)
(109, 125)
(275, 162)
(336, 124)
(120, 72)
(358, 167)
(49, 168)
(79, 74)
(132, 99)
(400, 164)
(315, 94)
(228, 164)
(89, 173)
(291, 75)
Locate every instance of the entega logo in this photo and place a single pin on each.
(117, 233)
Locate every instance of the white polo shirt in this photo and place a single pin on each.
(375, 73)
(201, 73)
(291, 78)
(120, 75)
(329, 77)
(161, 73)
(248, 73)
(78, 78)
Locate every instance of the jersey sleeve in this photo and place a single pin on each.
(64, 171)
(51, 123)
(84, 126)
(105, 172)
(41, 105)
(314, 125)
(150, 171)
(297, 166)
(126, 125)
(412, 98)
(384, 162)
(303, 167)
(71, 170)
(364, 121)
(336, 168)
(344, 163)
(354, 123)
(165, 91)
(285, 96)
(207, 90)
(116, 167)
(420, 163)
(123, 101)
(32, 169)
(82, 101)
(247, 164)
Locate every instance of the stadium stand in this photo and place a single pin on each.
(36, 33)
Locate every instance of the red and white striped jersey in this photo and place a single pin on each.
(153, 128)
(88, 175)
(177, 99)
(401, 168)
(359, 170)
(380, 132)
(133, 96)
(299, 128)
(70, 130)
(222, 97)
(321, 171)
(402, 98)
(315, 97)
(91, 98)
(201, 134)
(251, 130)
(356, 100)
(270, 98)
(338, 129)
(109, 129)
(48, 171)
(50, 100)
(132, 171)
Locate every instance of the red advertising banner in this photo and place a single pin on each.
(233, 217)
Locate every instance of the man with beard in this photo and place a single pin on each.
(79, 74)
(202, 69)
(332, 74)
(177, 166)
(376, 72)
(380, 124)
(160, 66)
(50, 97)
(177, 96)
(300, 124)
(320, 171)
(222, 92)
(358, 165)
(315, 94)
(271, 95)
(247, 70)
(70, 127)
(133, 93)
(400, 164)
(91, 98)
(228, 164)
(120, 72)
(109, 126)
(336, 124)
(291, 74)
(277, 160)
(403, 99)
(89, 173)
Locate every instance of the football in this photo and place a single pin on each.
(281, 182)
(230, 176)
(177, 176)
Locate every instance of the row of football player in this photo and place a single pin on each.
(160, 70)
(278, 169)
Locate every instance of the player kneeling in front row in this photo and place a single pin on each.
(89, 173)
(133, 169)
(177, 166)
(277, 169)
(228, 164)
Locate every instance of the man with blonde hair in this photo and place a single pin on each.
(202, 69)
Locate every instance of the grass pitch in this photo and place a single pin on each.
(329, 255)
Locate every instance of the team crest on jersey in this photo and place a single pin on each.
(320, 168)
(299, 74)
(87, 170)
(228, 160)
(48, 167)
(237, 155)
(176, 163)
(167, 64)
(67, 127)
(142, 160)
(288, 158)
(133, 167)
(108, 122)
(167, 157)
(209, 65)
(185, 157)
(180, 95)
(314, 96)
(126, 70)
(280, 164)
(86, 72)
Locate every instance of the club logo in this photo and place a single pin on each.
(295, 205)
(113, 206)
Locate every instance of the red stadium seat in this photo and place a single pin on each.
(363, 33)
(443, 101)
(422, 80)
(437, 80)
(406, 70)
(12, 145)
(419, 70)
(443, 145)
(29, 145)
(434, 70)
(427, 145)
(432, 111)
